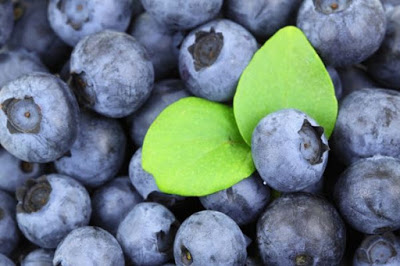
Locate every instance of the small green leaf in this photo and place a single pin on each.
(285, 73)
(194, 148)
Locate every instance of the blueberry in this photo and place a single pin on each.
(212, 58)
(89, 245)
(162, 45)
(145, 183)
(4, 261)
(182, 14)
(16, 63)
(378, 250)
(112, 202)
(316, 188)
(9, 234)
(38, 117)
(368, 193)
(39, 257)
(301, 229)
(32, 32)
(344, 32)
(147, 234)
(15, 172)
(72, 20)
(390, 4)
(290, 150)
(6, 20)
(209, 238)
(262, 17)
(354, 78)
(243, 202)
(337, 83)
(50, 207)
(368, 124)
(384, 65)
(111, 73)
(164, 93)
(98, 152)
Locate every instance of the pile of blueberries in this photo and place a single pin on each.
(82, 80)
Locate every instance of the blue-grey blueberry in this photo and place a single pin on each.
(368, 194)
(368, 124)
(344, 32)
(50, 207)
(301, 229)
(337, 83)
(4, 261)
(209, 238)
(112, 202)
(72, 20)
(111, 73)
(147, 234)
(212, 58)
(38, 117)
(390, 4)
(243, 202)
(98, 152)
(9, 233)
(164, 93)
(6, 20)
(354, 78)
(39, 257)
(290, 150)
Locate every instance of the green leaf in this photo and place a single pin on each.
(194, 148)
(285, 73)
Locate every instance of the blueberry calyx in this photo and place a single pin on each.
(186, 256)
(82, 89)
(80, 17)
(303, 260)
(26, 167)
(311, 147)
(33, 195)
(23, 115)
(379, 252)
(165, 240)
(206, 48)
(331, 6)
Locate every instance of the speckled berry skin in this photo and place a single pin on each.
(147, 234)
(182, 14)
(98, 152)
(301, 228)
(89, 245)
(6, 20)
(111, 73)
(4, 261)
(368, 124)
(368, 195)
(209, 238)
(343, 32)
(9, 234)
(74, 19)
(290, 150)
(214, 76)
(48, 128)
(39, 257)
(66, 207)
(243, 202)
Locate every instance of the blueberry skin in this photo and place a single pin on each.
(112, 202)
(337, 83)
(367, 194)
(262, 17)
(32, 32)
(378, 250)
(112, 73)
(16, 63)
(9, 234)
(390, 4)
(214, 75)
(147, 234)
(162, 45)
(4, 261)
(182, 14)
(39, 257)
(72, 20)
(39, 116)
(343, 32)
(6, 20)
(50, 207)
(354, 78)
(290, 150)
(98, 152)
(209, 238)
(243, 202)
(301, 229)
(164, 93)
(368, 124)
(89, 245)
(384, 65)
(15, 172)
(145, 183)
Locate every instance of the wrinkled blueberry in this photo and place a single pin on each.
(39, 257)
(9, 234)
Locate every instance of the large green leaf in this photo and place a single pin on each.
(285, 73)
(194, 148)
